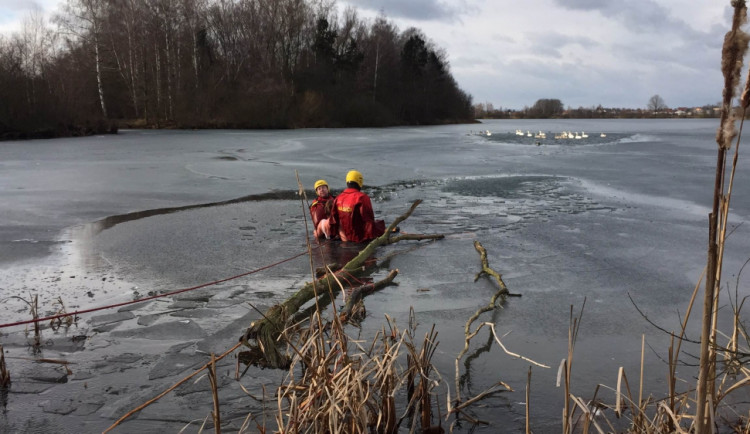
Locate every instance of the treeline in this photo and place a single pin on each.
(217, 63)
(553, 108)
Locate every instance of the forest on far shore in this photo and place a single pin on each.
(218, 64)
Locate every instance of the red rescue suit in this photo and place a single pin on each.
(321, 208)
(320, 211)
(352, 212)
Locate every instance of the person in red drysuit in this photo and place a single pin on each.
(320, 211)
(352, 212)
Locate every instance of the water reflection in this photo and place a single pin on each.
(465, 379)
(334, 253)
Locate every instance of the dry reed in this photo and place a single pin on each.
(64, 321)
(4, 373)
(565, 369)
(33, 303)
(711, 407)
(735, 47)
(335, 385)
(214, 382)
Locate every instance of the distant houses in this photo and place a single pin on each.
(487, 111)
(695, 112)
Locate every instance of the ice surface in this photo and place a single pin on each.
(110, 219)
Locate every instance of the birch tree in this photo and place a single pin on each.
(83, 20)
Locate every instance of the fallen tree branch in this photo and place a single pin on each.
(386, 239)
(325, 298)
(487, 270)
(171, 388)
(363, 291)
(481, 396)
(266, 331)
(497, 339)
(469, 335)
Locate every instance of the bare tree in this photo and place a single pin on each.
(249, 63)
(656, 103)
(83, 19)
(124, 31)
(546, 108)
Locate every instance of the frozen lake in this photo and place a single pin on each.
(107, 219)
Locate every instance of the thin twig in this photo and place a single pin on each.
(174, 386)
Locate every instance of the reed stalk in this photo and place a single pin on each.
(213, 380)
(4, 373)
(171, 388)
(37, 330)
(528, 402)
(566, 367)
(734, 49)
(64, 320)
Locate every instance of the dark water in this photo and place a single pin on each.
(110, 219)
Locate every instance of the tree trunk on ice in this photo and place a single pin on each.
(267, 330)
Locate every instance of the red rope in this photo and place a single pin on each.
(78, 312)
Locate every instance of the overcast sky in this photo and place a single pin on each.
(617, 53)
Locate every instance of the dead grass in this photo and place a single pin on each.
(4, 373)
(709, 406)
(339, 385)
(336, 384)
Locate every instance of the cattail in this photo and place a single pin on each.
(745, 98)
(733, 52)
(4, 373)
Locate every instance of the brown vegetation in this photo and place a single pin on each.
(339, 385)
(336, 384)
(268, 330)
(4, 373)
(216, 64)
(712, 408)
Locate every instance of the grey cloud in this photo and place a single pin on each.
(421, 10)
(638, 15)
(521, 82)
(531, 79)
(676, 44)
(551, 43)
(696, 52)
(468, 61)
(584, 4)
(498, 37)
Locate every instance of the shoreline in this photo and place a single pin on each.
(89, 128)
(113, 126)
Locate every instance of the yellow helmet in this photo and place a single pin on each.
(320, 182)
(354, 176)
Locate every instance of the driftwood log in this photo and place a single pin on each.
(267, 330)
(363, 291)
(500, 294)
